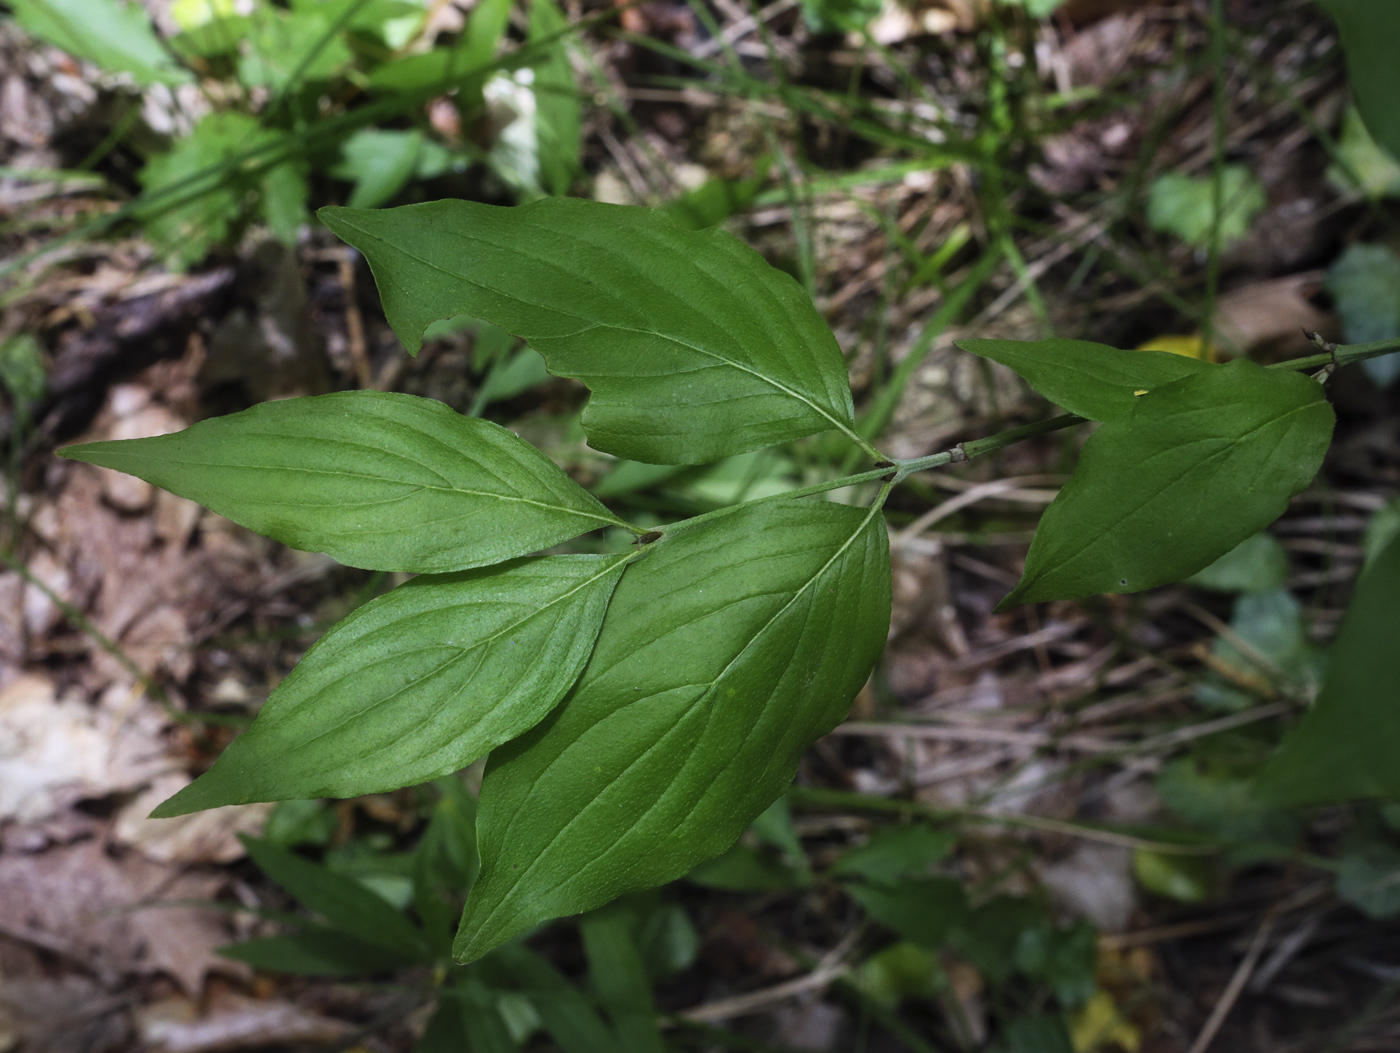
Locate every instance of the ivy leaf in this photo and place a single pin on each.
(1345, 748)
(726, 651)
(1096, 381)
(693, 346)
(1369, 29)
(417, 684)
(375, 479)
(1196, 467)
(108, 33)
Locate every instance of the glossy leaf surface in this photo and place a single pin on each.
(726, 651)
(1194, 468)
(417, 684)
(376, 480)
(1346, 747)
(1093, 380)
(694, 347)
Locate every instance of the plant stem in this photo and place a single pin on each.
(1343, 354)
(965, 451)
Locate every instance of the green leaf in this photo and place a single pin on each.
(1346, 746)
(108, 33)
(919, 909)
(1196, 467)
(1256, 564)
(1186, 879)
(901, 972)
(417, 684)
(1384, 525)
(284, 193)
(746, 869)
(1368, 873)
(558, 115)
(620, 980)
(380, 162)
(22, 370)
(1369, 30)
(346, 904)
(289, 48)
(317, 951)
(1226, 806)
(568, 1016)
(1362, 164)
(715, 200)
(897, 853)
(1062, 958)
(693, 346)
(294, 823)
(1365, 283)
(989, 935)
(1184, 206)
(727, 649)
(452, 66)
(377, 480)
(1271, 623)
(1093, 380)
(199, 202)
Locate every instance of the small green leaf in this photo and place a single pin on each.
(1196, 467)
(380, 162)
(1093, 380)
(558, 115)
(715, 200)
(901, 972)
(1369, 30)
(747, 869)
(620, 980)
(919, 909)
(694, 347)
(289, 48)
(1346, 746)
(568, 1016)
(1226, 806)
(1256, 564)
(1361, 163)
(898, 853)
(417, 684)
(1186, 879)
(727, 649)
(22, 370)
(317, 951)
(1185, 206)
(347, 905)
(113, 35)
(1365, 284)
(283, 195)
(375, 479)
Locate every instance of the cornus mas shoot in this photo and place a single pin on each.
(641, 709)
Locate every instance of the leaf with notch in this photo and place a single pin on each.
(726, 651)
(417, 684)
(693, 346)
(1196, 467)
(377, 480)
(1096, 381)
(347, 905)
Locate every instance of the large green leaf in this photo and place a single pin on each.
(693, 346)
(111, 34)
(1347, 745)
(1093, 380)
(1194, 468)
(1370, 30)
(377, 480)
(417, 684)
(726, 651)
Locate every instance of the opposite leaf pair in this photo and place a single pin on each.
(1192, 459)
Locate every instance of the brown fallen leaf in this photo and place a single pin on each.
(91, 906)
(233, 1022)
(201, 837)
(56, 751)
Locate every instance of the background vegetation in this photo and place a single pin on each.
(1039, 830)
